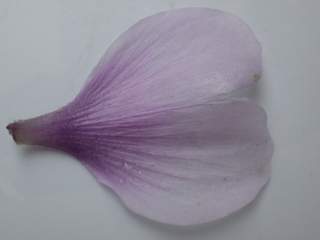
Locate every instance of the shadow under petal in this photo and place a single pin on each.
(35, 151)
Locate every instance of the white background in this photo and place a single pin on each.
(47, 49)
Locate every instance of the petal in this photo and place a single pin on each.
(180, 57)
(187, 165)
(144, 127)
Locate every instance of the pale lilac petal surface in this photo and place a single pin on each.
(189, 165)
(157, 123)
(184, 56)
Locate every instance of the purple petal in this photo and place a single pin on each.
(185, 166)
(151, 123)
(184, 57)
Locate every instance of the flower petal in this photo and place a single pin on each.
(143, 124)
(184, 56)
(185, 166)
